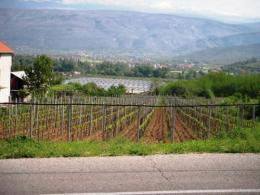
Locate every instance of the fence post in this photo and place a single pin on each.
(209, 122)
(174, 122)
(37, 122)
(124, 110)
(9, 121)
(103, 122)
(80, 122)
(117, 121)
(242, 116)
(91, 120)
(62, 119)
(69, 120)
(16, 116)
(226, 121)
(138, 125)
(254, 118)
(31, 117)
(238, 116)
(2, 124)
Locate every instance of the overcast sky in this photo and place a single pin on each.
(229, 10)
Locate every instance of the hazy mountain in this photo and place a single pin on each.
(118, 33)
(254, 27)
(251, 65)
(225, 55)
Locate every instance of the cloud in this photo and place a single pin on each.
(164, 5)
(37, 1)
(243, 9)
(240, 8)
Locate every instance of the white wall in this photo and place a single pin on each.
(5, 76)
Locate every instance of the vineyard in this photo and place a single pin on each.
(149, 119)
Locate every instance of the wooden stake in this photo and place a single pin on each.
(138, 124)
(69, 119)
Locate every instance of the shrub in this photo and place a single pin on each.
(216, 84)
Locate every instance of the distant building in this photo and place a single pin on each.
(188, 65)
(160, 66)
(6, 55)
(176, 71)
(17, 83)
(76, 73)
(131, 65)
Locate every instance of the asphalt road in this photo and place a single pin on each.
(160, 174)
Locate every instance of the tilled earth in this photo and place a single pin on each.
(157, 130)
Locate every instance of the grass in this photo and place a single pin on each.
(235, 141)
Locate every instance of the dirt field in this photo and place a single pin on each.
(157, 130)
(182, 132)
(130, 131)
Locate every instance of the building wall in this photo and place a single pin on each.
(5, 76)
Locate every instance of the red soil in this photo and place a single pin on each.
(182, 132)
(157, 129)
(130, 131)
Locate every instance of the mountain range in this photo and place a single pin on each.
(121, 33)
(224, 55)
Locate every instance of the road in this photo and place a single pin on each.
(159, 174)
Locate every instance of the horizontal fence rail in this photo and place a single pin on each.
(150, 118)
(136, 105)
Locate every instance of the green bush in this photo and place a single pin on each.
(90, 89)
(216, 84)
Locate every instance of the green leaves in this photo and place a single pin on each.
(216, 84)
(90, 89)
(39, 76)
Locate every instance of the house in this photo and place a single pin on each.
(6, 55)
(17, 84)
(160, 66)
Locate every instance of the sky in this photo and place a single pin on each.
(224, 10)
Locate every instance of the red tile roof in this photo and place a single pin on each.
(5, 49)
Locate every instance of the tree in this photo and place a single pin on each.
(40, 75)
(116, 91)
(20, 62)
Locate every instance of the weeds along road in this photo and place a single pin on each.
(160, 174)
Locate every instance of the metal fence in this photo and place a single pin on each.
(150, 119)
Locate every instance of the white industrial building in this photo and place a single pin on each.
(6, 54)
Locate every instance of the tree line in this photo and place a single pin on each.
(90, 89)
(249, 66)
(21, 62)
(216, 85)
